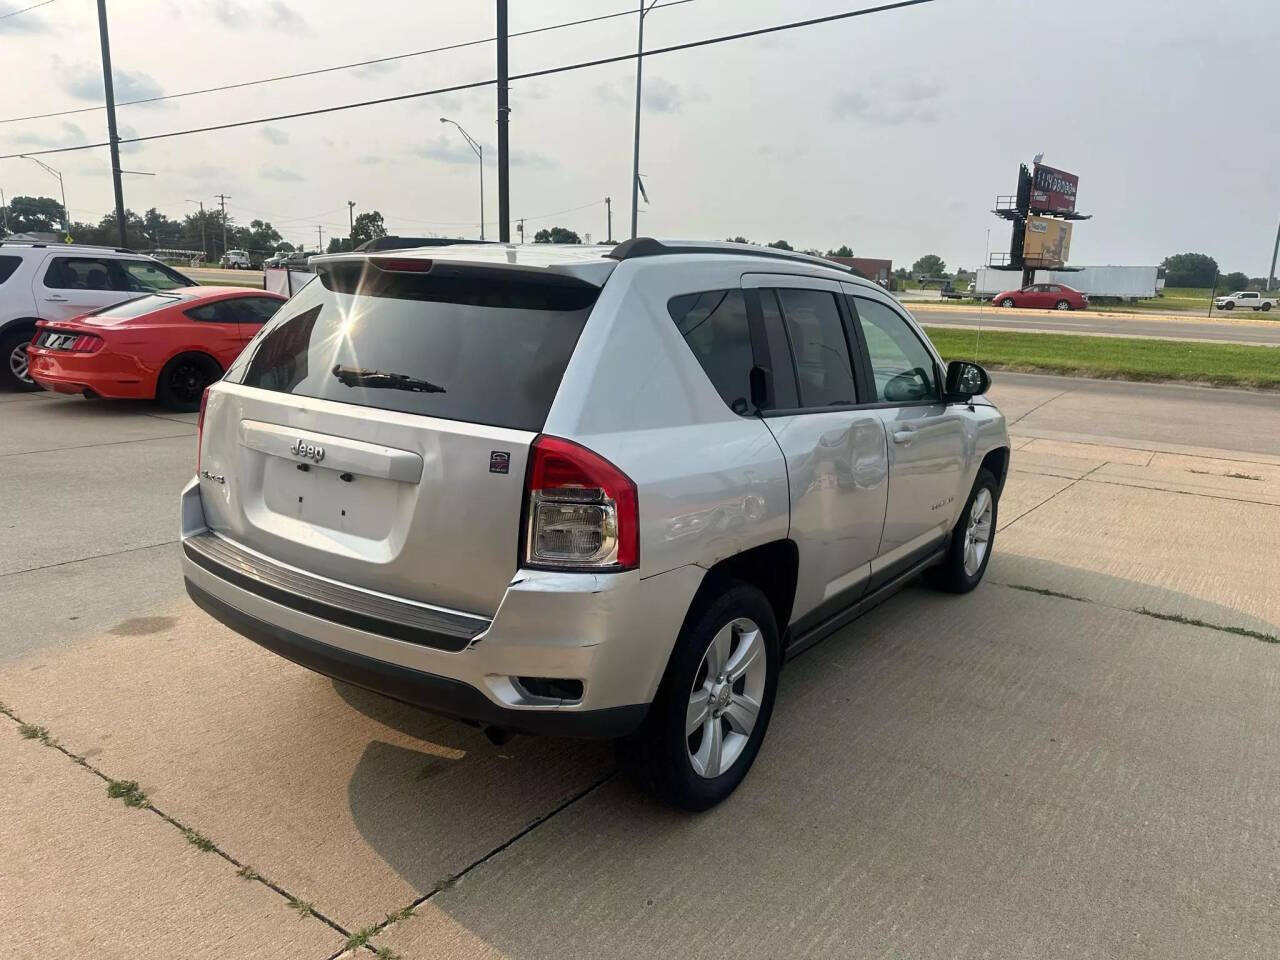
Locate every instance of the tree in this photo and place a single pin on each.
(1189, 270)
(930, 265)
(368, 226)
(1235, 280)
(37, 214)
(556, 235)
(736, 240)
(840, 251)
(338, 245)
(780, 245)
(134, 231)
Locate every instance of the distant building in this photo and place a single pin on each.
(878, 270)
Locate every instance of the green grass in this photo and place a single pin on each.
(199, 840)
(360, 938)
(1195, 622)
(304, 907)
(33, 732)
(1114, 358)
(128, 791)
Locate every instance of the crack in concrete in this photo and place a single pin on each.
(187, 831)
(1054, 496)
(450, 881)
(110, 443)
(1040, 405)
(95, 556)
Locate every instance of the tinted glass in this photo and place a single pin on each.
(221, 311)
(140, 305)
(902, 366)
(145, 275)
(256, 309)
(783, 369)
(80, 273)
(472, 345)
(821, 351)
(7, 266)
(714, 324)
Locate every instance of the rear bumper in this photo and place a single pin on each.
(442, 695)
(614, 633)
(104, 374)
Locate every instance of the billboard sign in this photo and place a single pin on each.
(1053, 191)
(1047, 243)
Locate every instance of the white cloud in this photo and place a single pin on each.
(274, 135)
(84, 82)
(890, 103)
(279, 174)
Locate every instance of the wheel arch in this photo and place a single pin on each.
(997, 461)
(771, 567)
(181, 354)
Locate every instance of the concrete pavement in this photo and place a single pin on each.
(1079, 758)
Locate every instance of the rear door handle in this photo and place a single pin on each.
(902, 436)
(55, 299)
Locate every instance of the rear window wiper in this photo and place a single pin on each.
(376, 379)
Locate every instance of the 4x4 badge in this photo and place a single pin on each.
(300, 448)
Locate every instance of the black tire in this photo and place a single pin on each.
(1229, 305)
(1265, 307)
(9, 343)
(1007, 302)
(1062, 305)
(950, 574)
(183, 380)
(657, 756)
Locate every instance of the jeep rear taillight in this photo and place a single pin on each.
(581, 511)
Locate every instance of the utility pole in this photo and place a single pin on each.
(109, 89)
(504, 180)
(635, 161)
(520, 228)
(204, 245)
(319, 238)
(608, 206)
(223, 198)
(351, 223)
(4, 212)
(1271, 277)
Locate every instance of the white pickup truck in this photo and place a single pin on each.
(237, 260)
(1245, 298)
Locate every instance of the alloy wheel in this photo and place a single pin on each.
(724, 703)
(18, 363)
(977, 535)
(187, 381)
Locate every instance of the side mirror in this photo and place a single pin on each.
(965, 380)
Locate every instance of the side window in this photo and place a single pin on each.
(143, 275)
(902, 366)
(823, 368)
(7, 267)
(256, 310)
(1053, 288)
(781, 365)
(221, 311)
(715, 326)
(78, 273)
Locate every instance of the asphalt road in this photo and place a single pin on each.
(1220, 329)
(1079, 759)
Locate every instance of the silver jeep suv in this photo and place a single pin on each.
(598, 494)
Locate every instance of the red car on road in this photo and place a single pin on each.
(1043, 296)
(169, 345)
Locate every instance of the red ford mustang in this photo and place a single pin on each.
(168, 345)
(1046, 296)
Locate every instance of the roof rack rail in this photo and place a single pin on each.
(40, 244)
(650, 247)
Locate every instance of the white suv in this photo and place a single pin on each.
(60, 282)
(554, 490)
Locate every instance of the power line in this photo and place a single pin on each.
(14, 13)
(343, 66)
(565, 68)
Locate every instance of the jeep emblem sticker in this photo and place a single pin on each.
(499, 461)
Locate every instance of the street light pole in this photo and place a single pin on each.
(351, 223)
(1271, 277)
(479, 152)
(635, 157)
(66, 218)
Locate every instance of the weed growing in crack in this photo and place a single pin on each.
(360, 938)
(304, 907)
(128, 791)
(33, 732)
(402, 914)
(198, 840)
(247, 872)
(1195, 622)
(386, 953)
(1046, 592)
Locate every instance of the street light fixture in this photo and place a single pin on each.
(479, 151)
(66, 222)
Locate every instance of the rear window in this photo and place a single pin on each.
(140, 305)
(470, 344)
(7, 266)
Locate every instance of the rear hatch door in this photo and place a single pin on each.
(375, 432)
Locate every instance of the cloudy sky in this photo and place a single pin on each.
(892, 133)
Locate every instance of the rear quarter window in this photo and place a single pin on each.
(477, 345)
(714, 324)
(7, 267)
